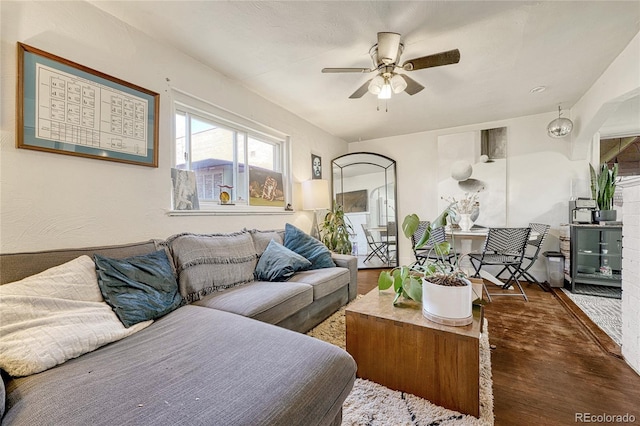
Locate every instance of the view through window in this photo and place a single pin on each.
(222, 156)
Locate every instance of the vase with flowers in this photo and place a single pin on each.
(466, 209)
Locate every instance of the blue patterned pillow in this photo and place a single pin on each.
(305, 245)
(138, 288)
(278, 263)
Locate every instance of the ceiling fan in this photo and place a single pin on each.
(386, 56)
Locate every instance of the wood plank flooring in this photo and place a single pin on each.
(547, 366)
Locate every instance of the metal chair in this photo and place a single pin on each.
(437, 236)
(534, 246)
(390, 239)
(377, 248)
(503, 247)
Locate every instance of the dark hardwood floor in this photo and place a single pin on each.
(549, 363)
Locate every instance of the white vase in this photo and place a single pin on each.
(465, 222)
(448, 305)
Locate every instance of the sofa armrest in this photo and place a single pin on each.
(350, 262)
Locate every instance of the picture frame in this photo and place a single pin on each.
(316, 167)
(266, 188)
(353, 201)
(67, 108)
(185, 190)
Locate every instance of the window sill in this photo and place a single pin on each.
(231, 211)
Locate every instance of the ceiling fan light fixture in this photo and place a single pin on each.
(385, 91)
(375, 86)
(560, 127)
(398, 84)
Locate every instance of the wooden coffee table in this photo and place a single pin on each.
(400, 349)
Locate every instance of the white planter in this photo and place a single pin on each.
(447, 305)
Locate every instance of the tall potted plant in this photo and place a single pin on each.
(443, 289)
(603, 187)
(335, 230)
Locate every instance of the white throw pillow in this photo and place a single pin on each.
(54, 316)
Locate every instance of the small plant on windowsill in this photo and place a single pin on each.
(443, 289)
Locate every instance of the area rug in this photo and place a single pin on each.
(605, 312)
(372, 404)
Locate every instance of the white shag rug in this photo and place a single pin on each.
(372, 404)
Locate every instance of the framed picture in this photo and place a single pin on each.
(185, 190)
(354, 201)
(67, 108)
(316, 167)
(265, 187)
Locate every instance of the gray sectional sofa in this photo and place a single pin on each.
(233, 354)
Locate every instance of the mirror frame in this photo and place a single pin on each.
(387, 165)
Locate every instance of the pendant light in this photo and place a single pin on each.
(560, 127)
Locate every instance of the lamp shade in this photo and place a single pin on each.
(376, 85)
(315, 194)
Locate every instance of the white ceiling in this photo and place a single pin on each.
(277, 50)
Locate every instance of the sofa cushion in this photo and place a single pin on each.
(138, 288)
(213, 262)
(262, 300)
(194, 366)
(305, 245)
(278, 263)
(324, 281)
(261, 239)
(55, 316)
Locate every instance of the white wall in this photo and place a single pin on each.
(630, 273)
(55, 201)
(619, 82)
(540, 176)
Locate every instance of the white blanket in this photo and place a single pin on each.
(54, 316)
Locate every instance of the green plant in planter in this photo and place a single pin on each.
(603, 185)
(335, 230)
(407, 279)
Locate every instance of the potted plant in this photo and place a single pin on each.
(603, 186)
(335, 230)
(443, 289)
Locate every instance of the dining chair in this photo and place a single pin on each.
(534, 246)
(503, 247)
(377, 248)
(438, 235)
(390, 240)
(421, 254)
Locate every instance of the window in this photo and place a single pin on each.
(224, 152)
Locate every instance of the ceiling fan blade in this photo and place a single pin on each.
(334, 70)
(361, 90)
(435, 60)
(388, 46)
(413, 86)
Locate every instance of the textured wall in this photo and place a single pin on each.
(630, 274)
(56, 201)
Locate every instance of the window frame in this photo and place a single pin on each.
(183, 102)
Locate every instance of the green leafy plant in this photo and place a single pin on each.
(603, 185)
(335, 230)
(407, 279)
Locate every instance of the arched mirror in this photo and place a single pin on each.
(364, 184)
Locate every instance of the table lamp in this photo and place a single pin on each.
(315, 196)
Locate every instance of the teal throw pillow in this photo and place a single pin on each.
(305, 245)
(278, 263)
(138, 288)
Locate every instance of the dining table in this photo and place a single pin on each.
(465, 246)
